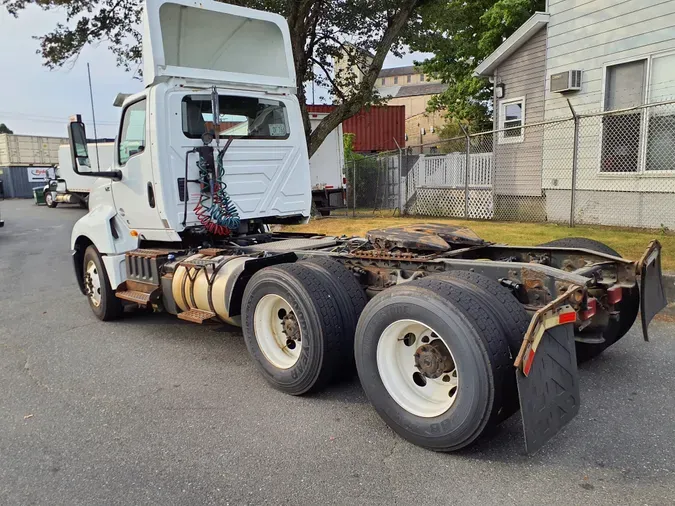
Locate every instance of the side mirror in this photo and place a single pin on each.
(80, 153)
(78, 147)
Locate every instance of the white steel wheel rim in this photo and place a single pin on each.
(398, 372)
(268, 328)
(93, 283)
(48, 198)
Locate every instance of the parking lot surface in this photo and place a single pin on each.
(154, 410)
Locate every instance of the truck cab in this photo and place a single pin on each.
(200, 56)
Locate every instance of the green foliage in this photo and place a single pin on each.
(348, 145)
(461, 34)
(4, 129)
(365, 175)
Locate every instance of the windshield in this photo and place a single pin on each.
(243, 117)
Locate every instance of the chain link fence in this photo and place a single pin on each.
(613, 168)
(374, 182)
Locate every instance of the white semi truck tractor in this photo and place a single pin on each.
(450, 334)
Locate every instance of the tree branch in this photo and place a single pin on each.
(353, 105)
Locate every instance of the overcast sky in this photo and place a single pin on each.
(37, 101)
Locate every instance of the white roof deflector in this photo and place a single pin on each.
(216, 42)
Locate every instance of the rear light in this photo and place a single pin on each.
(569, 317)
(529, 360)
(328, 187)
(591, 306)
(614, 295)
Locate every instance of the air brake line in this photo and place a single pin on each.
(215, 210)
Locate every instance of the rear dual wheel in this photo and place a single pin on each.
(628, 308)
(433, 358)
(299, 322)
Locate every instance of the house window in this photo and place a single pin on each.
(395, 80)
(511, 116)
(639, 139)
(383, 81)
(660, 126)
(409, 79)
(421, 78)
(624, 88)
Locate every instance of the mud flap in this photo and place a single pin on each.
(652, 294)
(549, 394)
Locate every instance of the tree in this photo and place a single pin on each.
(4, 129)
(320, 30)
(461, 34)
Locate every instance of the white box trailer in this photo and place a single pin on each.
(67, 186)
(18, 150)
(326, 170)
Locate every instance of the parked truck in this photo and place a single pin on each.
(326, 166)
(450, 334)
(67, 186)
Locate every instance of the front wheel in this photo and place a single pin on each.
(49, 200)
(100, 294)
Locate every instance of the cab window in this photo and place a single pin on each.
(132, 134)
(241, 117)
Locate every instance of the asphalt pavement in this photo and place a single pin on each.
(154, 410)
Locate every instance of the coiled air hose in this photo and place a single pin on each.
(215, 210)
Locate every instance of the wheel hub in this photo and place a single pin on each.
(291, 327)
(92, 283)
(433, 359)
(277, 331)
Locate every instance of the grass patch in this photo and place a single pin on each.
(630, 243)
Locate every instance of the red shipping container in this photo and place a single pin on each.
(374, 128)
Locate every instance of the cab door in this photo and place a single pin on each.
(134, 193)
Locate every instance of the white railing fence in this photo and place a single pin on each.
(449, 171)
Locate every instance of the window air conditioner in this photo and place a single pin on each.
(566, 81)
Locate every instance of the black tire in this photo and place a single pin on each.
(319, 320)
(110, 307)
(628, 307)
(584, 243)
(511, 311)
(84, 203)
(511, 317)
(49, 200)
(352, 294)
(351, 299)
(481, 356)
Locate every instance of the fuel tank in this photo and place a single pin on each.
(207, 283)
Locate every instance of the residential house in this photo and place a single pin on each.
(592, 56)
(408, 86)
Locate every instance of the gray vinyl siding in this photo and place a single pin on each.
(518, 165)
(589, 34)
